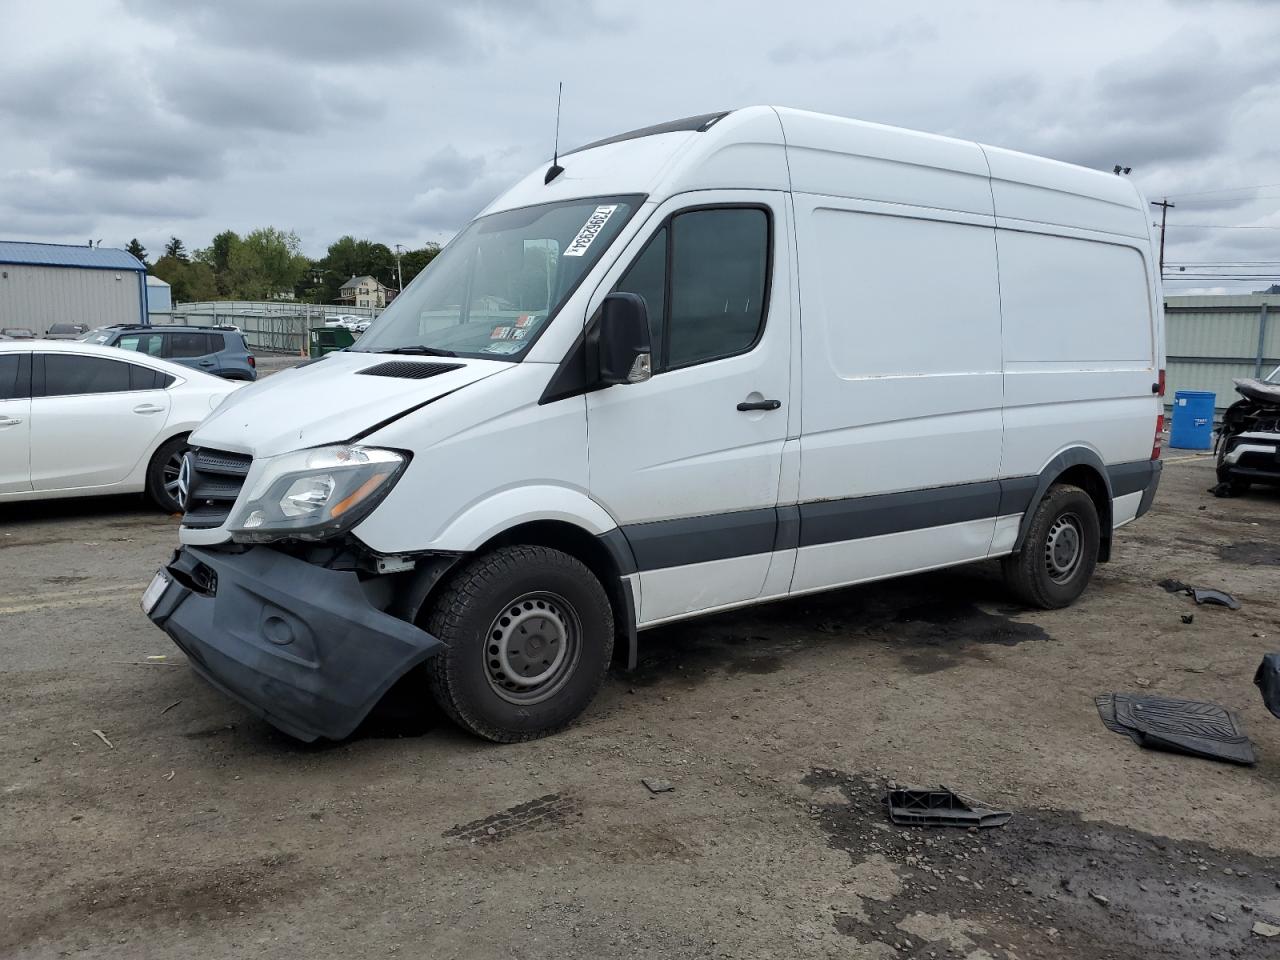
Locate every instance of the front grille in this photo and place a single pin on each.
(408, 369)
(214, 482)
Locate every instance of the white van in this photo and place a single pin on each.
(720, 361)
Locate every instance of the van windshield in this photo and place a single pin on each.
(498, 284)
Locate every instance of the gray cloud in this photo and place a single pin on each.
(863, 43)
(375, 30)
(399, 119)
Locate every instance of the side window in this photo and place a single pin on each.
(13, 376)
(704, 279)
(148, 343)
(144, 378)
(648, 277)
(66, 375)
(718, 260)
(214, 343)
(188, 344)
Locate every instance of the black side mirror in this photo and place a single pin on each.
(618, 341)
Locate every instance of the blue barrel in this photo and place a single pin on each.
(1192, 427)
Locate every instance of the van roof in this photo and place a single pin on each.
(781, 148)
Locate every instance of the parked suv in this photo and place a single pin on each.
(221, 351)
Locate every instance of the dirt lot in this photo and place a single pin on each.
(202, 832)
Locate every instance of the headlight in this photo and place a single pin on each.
(315, 494)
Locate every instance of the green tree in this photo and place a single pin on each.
(412, 262)
(187, 281)
(218, 257)
(265, 263)
(138, 250)
(175, 249)
(348, 257)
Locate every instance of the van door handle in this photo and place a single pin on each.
(746, 405)
(148, 408)
(10, 421)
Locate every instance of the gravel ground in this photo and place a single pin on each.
(201, 831)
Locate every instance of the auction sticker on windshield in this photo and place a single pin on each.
(590, 230)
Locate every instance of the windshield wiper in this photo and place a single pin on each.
(418, 350)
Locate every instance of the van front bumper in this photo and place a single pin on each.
(299, 645)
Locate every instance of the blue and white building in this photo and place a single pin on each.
(46, 283)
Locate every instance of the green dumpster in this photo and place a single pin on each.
(328, 339)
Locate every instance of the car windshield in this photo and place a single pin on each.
(100, 335)
(499, 282)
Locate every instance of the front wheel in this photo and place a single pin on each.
(162, 474)
(1061, 549)
(529, 635)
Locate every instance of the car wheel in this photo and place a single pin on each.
(162, 474)
(1061, 549)
(529, 635)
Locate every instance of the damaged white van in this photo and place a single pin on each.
(715, 362)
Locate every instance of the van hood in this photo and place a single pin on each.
(333, 400)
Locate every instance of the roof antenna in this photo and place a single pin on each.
(555, 169)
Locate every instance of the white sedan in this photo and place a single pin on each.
(79, 420)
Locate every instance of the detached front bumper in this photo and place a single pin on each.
(299, 645)
(1251, 456)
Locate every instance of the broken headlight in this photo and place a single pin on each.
(314, 494)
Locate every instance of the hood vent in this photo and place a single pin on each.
(409, 369)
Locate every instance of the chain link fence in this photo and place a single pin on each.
(268, 326)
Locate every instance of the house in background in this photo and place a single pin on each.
(363, 292)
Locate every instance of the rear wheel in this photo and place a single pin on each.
(529, 636)
(1061, 549)
(162, 474)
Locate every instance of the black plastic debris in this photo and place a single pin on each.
(941, 808)
(1188, 617)
(1181, 726)
(1268, 680)
(1201, 595)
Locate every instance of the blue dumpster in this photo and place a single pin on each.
(1192, 427)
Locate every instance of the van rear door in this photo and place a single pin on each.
(688, 462)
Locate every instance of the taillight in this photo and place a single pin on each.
(1155, 444)
(1160, 385)
(254, 363)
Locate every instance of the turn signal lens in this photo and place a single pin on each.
(1155, 444)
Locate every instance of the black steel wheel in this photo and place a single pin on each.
(529, 636)
(1060, 551)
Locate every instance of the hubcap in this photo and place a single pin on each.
(1064, 547)
(171, 476)
(532, 648)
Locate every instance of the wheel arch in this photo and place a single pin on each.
(607, 555)
(1083, 468)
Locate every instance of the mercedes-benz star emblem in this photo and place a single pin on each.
(184, 481)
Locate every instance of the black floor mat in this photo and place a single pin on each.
(1183, 726)
(1268, 680)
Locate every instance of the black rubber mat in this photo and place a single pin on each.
(1268, 680)
(1183, 726)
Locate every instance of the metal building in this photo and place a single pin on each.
(46, 283)
(1213, 339)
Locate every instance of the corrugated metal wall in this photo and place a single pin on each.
(1211, 340)
(36, 297)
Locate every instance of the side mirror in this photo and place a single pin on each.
(619, 341)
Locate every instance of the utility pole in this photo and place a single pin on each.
(399, 275)
(1164, 206)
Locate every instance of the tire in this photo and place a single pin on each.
(486, 679)
(1060, 551)
(162, 474)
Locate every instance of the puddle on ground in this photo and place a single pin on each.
(1048, 884)
(932, 621)
(1251, 553)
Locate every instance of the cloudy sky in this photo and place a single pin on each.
(398, 119)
